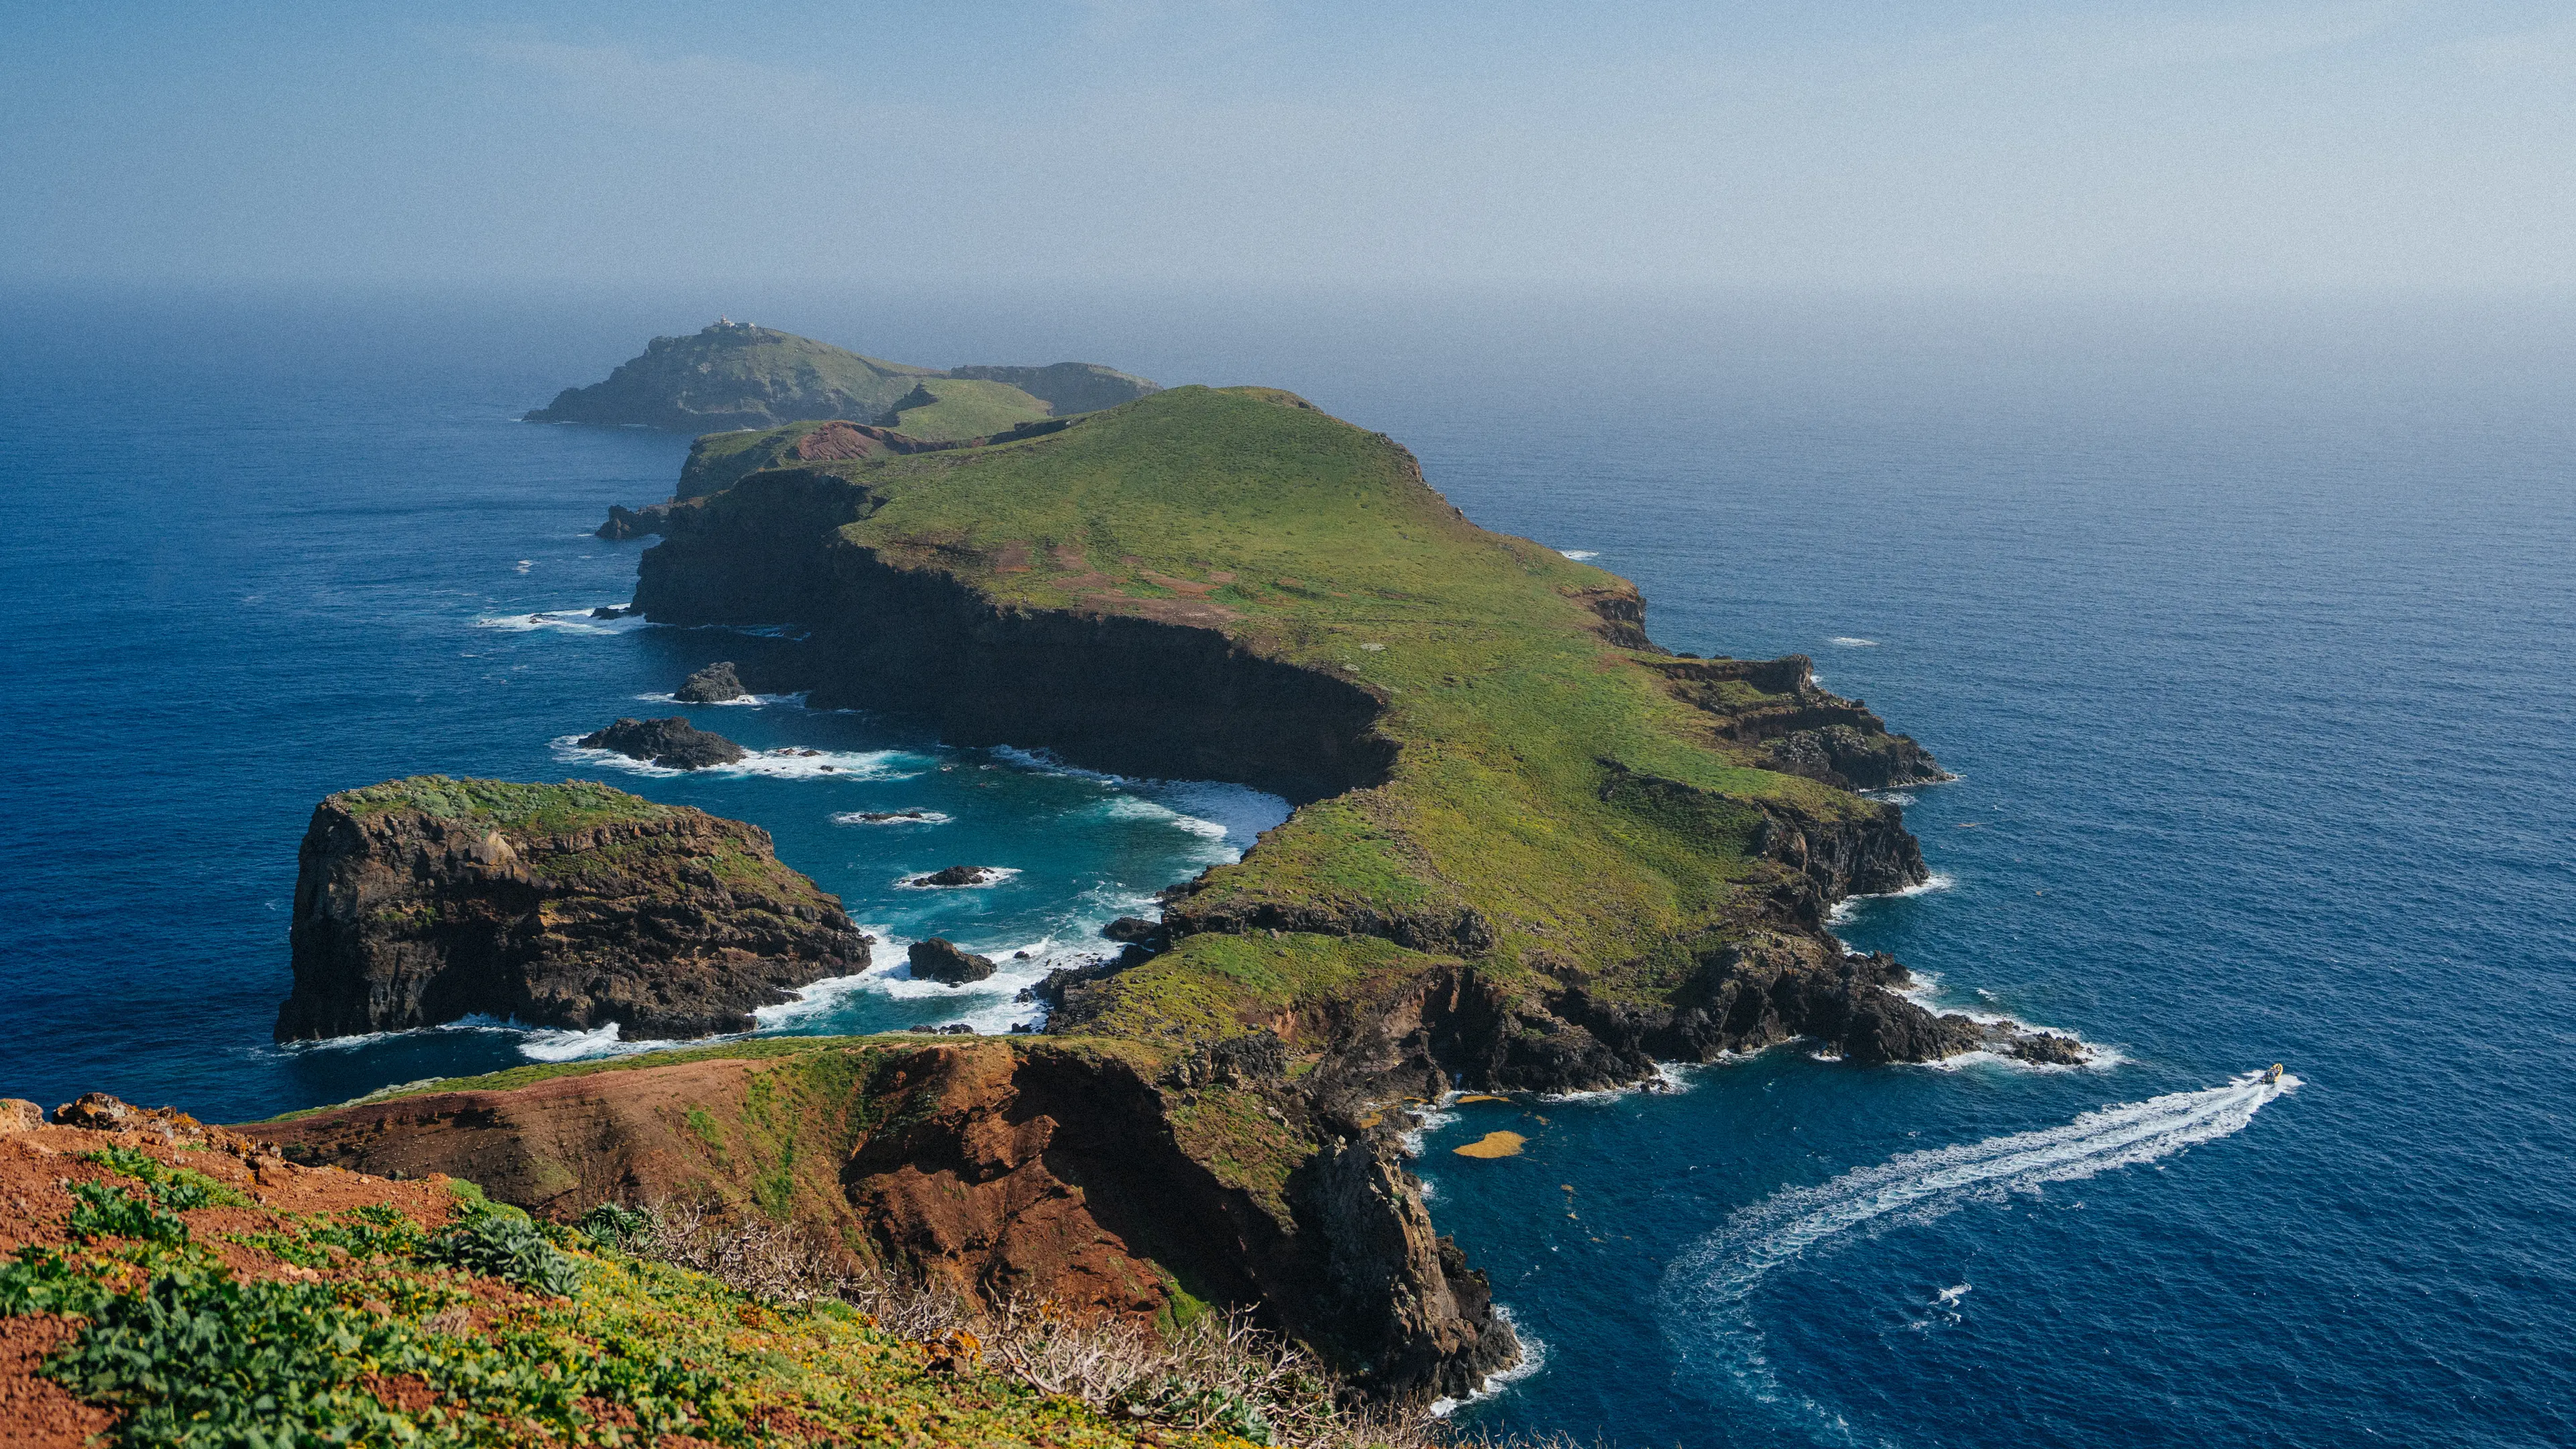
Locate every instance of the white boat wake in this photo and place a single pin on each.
(1707, 1292)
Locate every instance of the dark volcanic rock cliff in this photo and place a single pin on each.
(426, 900)
(1131, 695)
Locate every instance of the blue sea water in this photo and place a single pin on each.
(2251, 634)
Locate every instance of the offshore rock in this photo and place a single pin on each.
(625, 523)
(954, 877)
(944, 961)
(673, 743)
(426, 900)
(712, 685)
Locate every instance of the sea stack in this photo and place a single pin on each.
(714, 684)
(673, 743)
(942, 960)
(426, 900)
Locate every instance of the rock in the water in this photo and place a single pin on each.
(425, 900)
(672, 743)
(1131, 928)
(712, 685)
(625, 523)
(2048, 1047)
(951, 877)
(942, 960)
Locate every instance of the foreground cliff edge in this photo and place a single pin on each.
(167, 1283)
(1532, 852)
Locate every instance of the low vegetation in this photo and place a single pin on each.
(431, 1316)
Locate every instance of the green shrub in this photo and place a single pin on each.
(501, 1242)
(104, 1210)
(613, 1224)
(179, 1189)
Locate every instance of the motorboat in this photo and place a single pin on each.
(2272, 1076)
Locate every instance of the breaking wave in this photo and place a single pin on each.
(1707, 1299)
(567, 621)
(786, 763)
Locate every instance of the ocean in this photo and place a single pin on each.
(2248, 631)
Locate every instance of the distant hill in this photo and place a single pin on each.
(736, 375)
(947, 409)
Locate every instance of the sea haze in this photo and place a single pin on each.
(2248, 632)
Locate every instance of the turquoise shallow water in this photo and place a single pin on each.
(2253, 656)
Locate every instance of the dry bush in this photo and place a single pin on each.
(1221, 1372)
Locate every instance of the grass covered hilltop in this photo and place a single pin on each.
(1507, 787)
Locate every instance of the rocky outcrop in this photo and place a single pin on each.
(944, 961)
(1798, 727)
(954, 877)
(673, 743)
(714, 684)
(424, 901)
(625, 523)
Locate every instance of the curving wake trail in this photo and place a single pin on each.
(1707, 1292)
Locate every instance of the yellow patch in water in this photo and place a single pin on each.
(1493, 1144)
(1483, 1097)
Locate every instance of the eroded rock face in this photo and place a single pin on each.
(576, 906)
(1008, 1168)
(674, 743)
(942, 960)
(712, 685)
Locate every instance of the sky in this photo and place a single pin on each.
(1847, 144)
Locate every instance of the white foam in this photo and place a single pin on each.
(536, 1043)
(860, 817)
(1044, 762)
(566, 621)
(1707, 1298)
(991, 1006)
(1849, 641)
(778, 764)
(668, 697)
(1580, 554)
(1842, 909)
(1533, 1358)
(1425, 1120)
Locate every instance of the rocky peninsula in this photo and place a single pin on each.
(1532, 851)
(426, 900)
